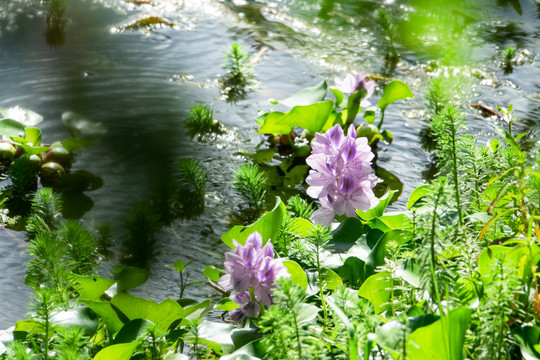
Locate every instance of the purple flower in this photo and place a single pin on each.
(351, 83)
(341, 176)
(251, 266)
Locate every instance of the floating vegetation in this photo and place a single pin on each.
(240, 76)
(249, 182)
(149, 23)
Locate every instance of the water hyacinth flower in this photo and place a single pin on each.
(352, 83)
(251, 272)
(341, 176)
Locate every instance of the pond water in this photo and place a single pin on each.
(141, 83)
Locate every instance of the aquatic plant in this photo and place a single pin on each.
(240, 75)
(200, 121)
(249, 182)
(341, 176)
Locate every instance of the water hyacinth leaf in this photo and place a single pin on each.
(298, 274)
(132, 330)
(31, 150)
(388, 222)
(227, 305)
(528, 338)
(308, 95)
(369, 116)
(332, 120)
(307, 312)
(162, 315)
(410, 272)
(10, 127)
(341, 100)
(80, 181)
(196, 311)
(346, 234)
(353, 271)
(113, 318)
(311, 117)
(212, 273)
(117, 352)
(271, 123)
(387, 136)
(377, 289)
(330, 279)
(394, 91)
(442, 339)
(92, 287)
(488, 259)
(391, 335)
(131, 277)
(241, 337)
(217, 334)
(379, 209)
(32, 136)
(301, 227)
(261, 156)
(268, 226)
(353, 105)
(24, 116)
(246, 352)
(79, 126)
(378, 253)
(82, 317)
(418, 194)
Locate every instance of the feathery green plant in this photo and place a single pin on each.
(23, 186)
(249, 182)
(200, 120)
(299, 207)
(187, 201)
(45, 213)
(239, 73)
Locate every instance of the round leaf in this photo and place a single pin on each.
(394, 91)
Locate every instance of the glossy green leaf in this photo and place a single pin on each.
(390, 222)
(109, 314)
(228, 305)
(71, 144)
(307, 312)
(301, 227)
(92, 287)
(442, 340)
(308, 95)
(162, 315)
(133, 330)
(298, 274)
(33, 136)
(217, 333)
(394, 91)
(528, 338)
(117, 352)
(131, 277)
(341, 100)
(212, 273)
(378, 253)
(347, 233)
(241, 337)
(353, 105)
(379, 209)
(353, 271)
(393, 334)
(311, 117)
(10, 127)
(82, 317)
(261, 156)
(179, 265)
(418, 194)
(369, 116)
(268, 226)
(32, 150)
(377, 289)
(196, 311)
(387, 136)
(330, 279)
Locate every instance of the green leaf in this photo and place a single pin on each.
(268, 226)
(369, 116)
(261, 156)
(197, 311)
(298, 274)
(340, 103)
(218, 333)
(378, 253)
(353, 271)
(528, 338)
(109, 314)
(347, 233)
(117, 352)
(308, 95)
(377, 290)
(132, 331)
(31, 150)
(394, 91)
(92, 287)
(10, 127)
(82, 317)
(212, 273)
(330, 279)
(379, 209)
(418, 194)
(307, 312)
(311, 117)
(163, 315)
(387, 136)
(24, 116)
(179, 266)
(241, 337)
(353, 105)
(131, 277)
(228, 305)
(442, 340)
(389, 222)
(33, 136)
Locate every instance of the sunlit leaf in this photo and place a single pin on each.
(379, 209)
(132, 331)
(418, 194)
(117, 352)
(10, 127)
(529, 340)
(131, 277)
(109, 314)
(394, 91)
(92, 287)
(377, 289)
(330, 279)
(212, 273)
(298, 274)
(268, 226)
(307, 96)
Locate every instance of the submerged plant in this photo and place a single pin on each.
(249, 182)
(239, 73)
(23, 186)
(187, 200)
(200, 121)
(341, 176)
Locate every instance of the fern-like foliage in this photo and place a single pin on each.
(45, 212)
(187, 201)
(23, 186)
(239, 73)
(200, 120)
(71, 344)
(249, 182)
(299, 207)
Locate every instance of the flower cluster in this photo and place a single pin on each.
(251, 272)
(341, 176)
